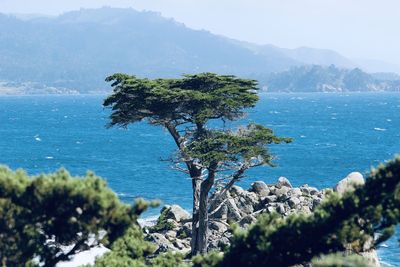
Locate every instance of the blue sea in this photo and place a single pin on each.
(334, 134)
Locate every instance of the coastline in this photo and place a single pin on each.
(261, 93)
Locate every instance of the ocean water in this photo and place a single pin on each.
(334, 134)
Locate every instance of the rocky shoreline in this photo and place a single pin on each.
(171, 231)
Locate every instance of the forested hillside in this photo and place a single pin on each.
(316, 78)
(78, 49)
(73, 53)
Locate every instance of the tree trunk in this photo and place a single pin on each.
(200, 193)
(201, 243)
(203, 222)
(196, 184)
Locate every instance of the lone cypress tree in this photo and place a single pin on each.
(210, 155)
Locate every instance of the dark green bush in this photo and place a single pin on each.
(39, 215)
(162, 222)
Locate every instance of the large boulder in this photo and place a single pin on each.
(283, 181)
(218, 226)
(246, 202)
(233, 211)
(170, 235)
(175, 213)
(162, 243)
(244, 206)
(260, 188)
(183, 245)
(349, 183)
(282, 193)
(294, 202)
(270, 199)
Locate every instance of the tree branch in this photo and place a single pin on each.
(177, 168)
(175, 134)
(235, 178)
(217, 208)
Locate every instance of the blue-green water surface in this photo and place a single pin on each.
(334, 134)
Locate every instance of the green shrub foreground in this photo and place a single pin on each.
(39, 215)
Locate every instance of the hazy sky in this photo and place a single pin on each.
(356, 28)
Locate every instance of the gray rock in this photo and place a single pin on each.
(296, 192)
(176, 213)
(170, 235)
(251, 198)
(220, 227)
(271, 198)
(281, 208)
(313, 191)
(236, 190)
(241, 206)
(272, 189)
(246, 202)
(245, 207)
(283, 181)
(349, 183)
(233, 210)
(282, 193)
(178, 244)
(293, 202)
(304, 187)
(162, 243)
(182, 244)
(260, 188)
(308, 190)
(247, 220)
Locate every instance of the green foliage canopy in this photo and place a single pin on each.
(194, 99)
(247, 144)
(39, 215)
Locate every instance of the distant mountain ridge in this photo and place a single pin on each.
(78, 49)
(316, 78)
(302, 55)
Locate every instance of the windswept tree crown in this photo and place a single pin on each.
(194, 98)
(245, 145)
